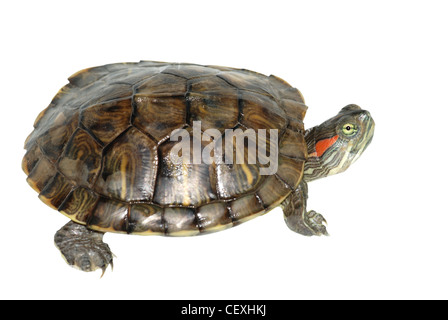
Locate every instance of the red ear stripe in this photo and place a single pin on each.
(323, 145)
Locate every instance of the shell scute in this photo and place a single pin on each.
(214, 111)
(189, 71)
(31, 158)
(273, 191)
(162, 85)
(214, 216)
(146, 219)
(284, 90)
(212, 85)
(55, 191)
(90, 75)
(159, 117)
(290, 170)
(41, 174)
(107, 120)
(180, 221)
(237, 173)
(247, 80)
(54, 132)
(246, 208)
(294, 109)
(129, 168)
(79, 204)
(109, 215)
(81, 159)
(261, 112)
(187, 184)
(292, 144)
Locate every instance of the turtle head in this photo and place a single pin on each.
(338, 142)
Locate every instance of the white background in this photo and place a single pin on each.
(387, 215)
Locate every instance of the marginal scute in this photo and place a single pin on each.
(285, 90)
(88, 75)
(296, 125)
(294, 109)
(53, 140)
(272, 191)
(55, 191)
(189, 71)
(290, 170)
(247, 80)
(214, 216)
(43, 123)
(180, 221)
(293, 145)
(43, 113)
(162, 85)
(246, 208)
(146, 219)
(79, 204)
(129, 168)
(152, 64)
(31, 158)
(109, 215)
(67, 98)
(131, 76)
(41, 174)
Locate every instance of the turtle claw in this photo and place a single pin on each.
(316, 223)
(111, 267)
(105, 267)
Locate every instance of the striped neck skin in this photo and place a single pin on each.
(338, 142)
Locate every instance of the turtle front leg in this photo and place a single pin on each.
(83, 248)
(308, 223)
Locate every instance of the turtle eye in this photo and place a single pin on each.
(349, 129)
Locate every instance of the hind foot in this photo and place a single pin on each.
(83, 248)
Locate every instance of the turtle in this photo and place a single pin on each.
(101, 153)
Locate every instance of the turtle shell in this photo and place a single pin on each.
(99, 153)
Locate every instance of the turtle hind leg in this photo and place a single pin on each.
(308, 223)
(83, 248)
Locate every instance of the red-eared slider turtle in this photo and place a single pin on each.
(100, 153)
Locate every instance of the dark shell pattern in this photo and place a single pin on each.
(99, 151)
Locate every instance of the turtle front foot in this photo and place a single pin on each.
(316, 223)
(308, 223)
(83, 248)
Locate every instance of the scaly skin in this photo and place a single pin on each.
(332, 148)
(83, 248)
